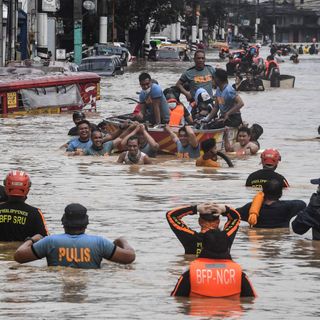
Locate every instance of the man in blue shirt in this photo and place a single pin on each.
(154, 106)
(187, 144)
(228, 103)
(76, 145)
(74, 248)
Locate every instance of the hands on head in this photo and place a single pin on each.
(211, 207)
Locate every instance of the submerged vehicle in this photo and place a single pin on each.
(102, 65)
(33, 91)
(111, 49)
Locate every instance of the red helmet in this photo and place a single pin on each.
(17, 183)
(270, 157)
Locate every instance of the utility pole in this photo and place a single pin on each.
(77, 30)
(257, 20)
(1, 33)
(274, 22)
(13, 29)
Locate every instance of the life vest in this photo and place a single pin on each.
(215, 278)
(176, 114)
(270, 64)
(200, 162)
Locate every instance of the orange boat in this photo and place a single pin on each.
(33, 91)
(165, 142)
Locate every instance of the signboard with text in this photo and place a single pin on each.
(49, 5)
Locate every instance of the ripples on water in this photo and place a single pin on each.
(132, 201)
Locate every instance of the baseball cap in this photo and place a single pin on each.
(315, 181)
(75, 215)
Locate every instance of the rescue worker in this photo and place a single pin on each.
(209, 219)
(269, 160)
(74, 248)
(213, 273)
(271, 68)
(19, 220)
(309, 217)
(267, 210)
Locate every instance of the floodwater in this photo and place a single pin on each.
(132, 201)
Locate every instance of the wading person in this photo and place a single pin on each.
(133, 155)
(267, 210)
(213, 273)
(244, 145)
(187, 144)
(209, 219)
(77, 116)
(75, 146)
(269, 160)
(98, 148)
(74, 248)
(19, 220)
(309, 217)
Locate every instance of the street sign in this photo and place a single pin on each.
(60, 54)
(49, 5)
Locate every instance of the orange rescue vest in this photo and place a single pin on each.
(176, 115)
(215, 278)
(200, 162)
(268, 63)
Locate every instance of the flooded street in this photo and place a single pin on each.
(132, 201)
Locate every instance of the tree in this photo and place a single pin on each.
(134, 16)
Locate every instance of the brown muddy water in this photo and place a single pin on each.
(132, 201)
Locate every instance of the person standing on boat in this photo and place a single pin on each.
(188, 146)
(228, 103)
(267, 210)
(147, 144)
(19, 220)
(309, 217)
(154, 106)
(214, 274)
(133, 155)
(244, 145)
(209, 219)
(77, 145)
(199, 76)
(269, 160)
(74, 248)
